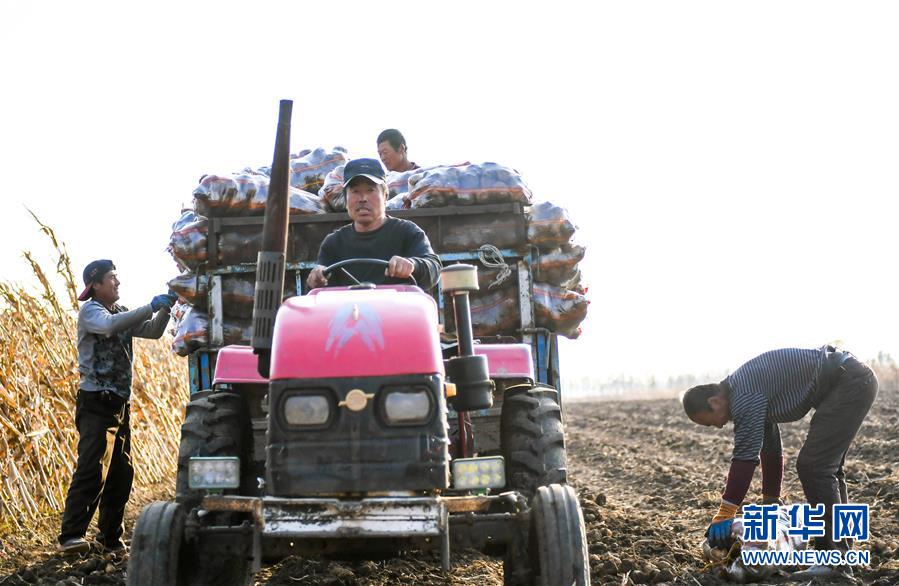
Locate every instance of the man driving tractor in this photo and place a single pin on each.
(374, 235)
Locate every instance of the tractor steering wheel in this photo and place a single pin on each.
(350, 261)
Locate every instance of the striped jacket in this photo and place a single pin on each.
(774, 387)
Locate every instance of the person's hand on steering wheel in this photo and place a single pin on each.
(399, 267)
(317, 277)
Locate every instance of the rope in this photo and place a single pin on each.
(492, 258)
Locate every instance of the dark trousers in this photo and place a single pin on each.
(104, 473)
(834, 425)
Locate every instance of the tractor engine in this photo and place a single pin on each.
(356, 399)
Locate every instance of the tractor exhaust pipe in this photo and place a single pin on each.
(272, 256)
(468, 371)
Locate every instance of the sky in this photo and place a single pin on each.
(732, 167)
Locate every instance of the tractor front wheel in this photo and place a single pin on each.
(156, 547)
(558, 539)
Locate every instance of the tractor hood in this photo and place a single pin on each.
(343, 332)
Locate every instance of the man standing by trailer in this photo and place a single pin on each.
(104, 473)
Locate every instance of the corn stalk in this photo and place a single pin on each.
(38, 383)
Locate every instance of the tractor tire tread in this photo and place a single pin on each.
(532, 439)
(215, 424)
(155, 545)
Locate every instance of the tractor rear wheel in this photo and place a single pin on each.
(558, 539)
(156, 547)
(533, 443)
(215, 424)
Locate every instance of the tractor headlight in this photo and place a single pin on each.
(409, 406)
(307, 410)
(213, 473)
(470, 473)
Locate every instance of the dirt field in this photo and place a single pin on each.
(648, 479)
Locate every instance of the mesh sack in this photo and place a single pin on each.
(559, 310)
(493, 313)
(309, 168)
(192, 332)
(467, 185)
(559, 266)
(549, 225)
(237, 292)
(187, 244)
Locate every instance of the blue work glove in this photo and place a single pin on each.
(162, 301)
(719, 534)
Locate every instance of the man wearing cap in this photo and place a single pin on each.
(103, 473)
(393, 151)
(375, 235)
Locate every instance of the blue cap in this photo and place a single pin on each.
(370, 168)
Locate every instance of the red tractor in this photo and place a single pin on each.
(331, 437)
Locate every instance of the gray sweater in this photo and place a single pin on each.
(104, 344)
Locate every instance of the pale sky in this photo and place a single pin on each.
(732, 166)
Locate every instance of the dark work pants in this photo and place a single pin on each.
(837, 419)
(104, 473)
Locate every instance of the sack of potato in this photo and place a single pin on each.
(246, 194)
(467, 185)
(398, 184)
(559, 266)
(228, 195)
(493, 313)
(187, 244)
(331, 191)
(559, 310)
(237, 292)
(192, 332)
(549, 225)
(309, 168)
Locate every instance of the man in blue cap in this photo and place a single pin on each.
(373, 234)
(103, 473)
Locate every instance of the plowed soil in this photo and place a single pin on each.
(648, 479)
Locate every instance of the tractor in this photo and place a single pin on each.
(343, 431)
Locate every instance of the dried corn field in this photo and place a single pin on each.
(38, 383)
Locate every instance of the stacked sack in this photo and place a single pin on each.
(331, 191)
(309, 168)
(398, 185)
(560, 301)
(244, 193)
(559, 297)
(190, 331)
(494, 306)
(469, 184)
(191, 320)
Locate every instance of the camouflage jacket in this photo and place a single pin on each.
(104, 344)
